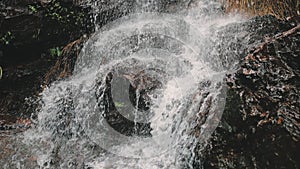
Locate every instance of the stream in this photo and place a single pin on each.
(146, 93)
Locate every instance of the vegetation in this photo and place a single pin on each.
(57, 11)
(280, 8)
(6, 38)
(32, 8)
(61, 13)
(56, 51)
(119, 104)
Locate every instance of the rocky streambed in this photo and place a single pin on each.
(260, 124)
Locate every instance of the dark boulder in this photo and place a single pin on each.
(261, 123)
(28, 28)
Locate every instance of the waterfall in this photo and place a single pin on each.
(147, 90)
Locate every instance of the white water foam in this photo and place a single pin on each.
(72, 130)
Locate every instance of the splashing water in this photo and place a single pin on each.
(147, 92)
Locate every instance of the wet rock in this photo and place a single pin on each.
(269, 79)
(20, 85)
(247, 35)
(64, 65)
(29, 32)
(28, 28)
(261, 123)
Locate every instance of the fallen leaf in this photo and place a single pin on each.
(279, 120)
(25, 122)
(248, 72)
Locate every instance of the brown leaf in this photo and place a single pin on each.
(263, 114)
(279, 120)
(250, 57)
(25, 122)
(248, 71)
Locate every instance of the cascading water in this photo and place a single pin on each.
(147, 92)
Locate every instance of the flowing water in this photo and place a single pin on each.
(147, 92)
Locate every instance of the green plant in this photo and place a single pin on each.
(119, 104)
(59, 11)
(56, 51)
(32, 8)
(6, 38)
(63, 14)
